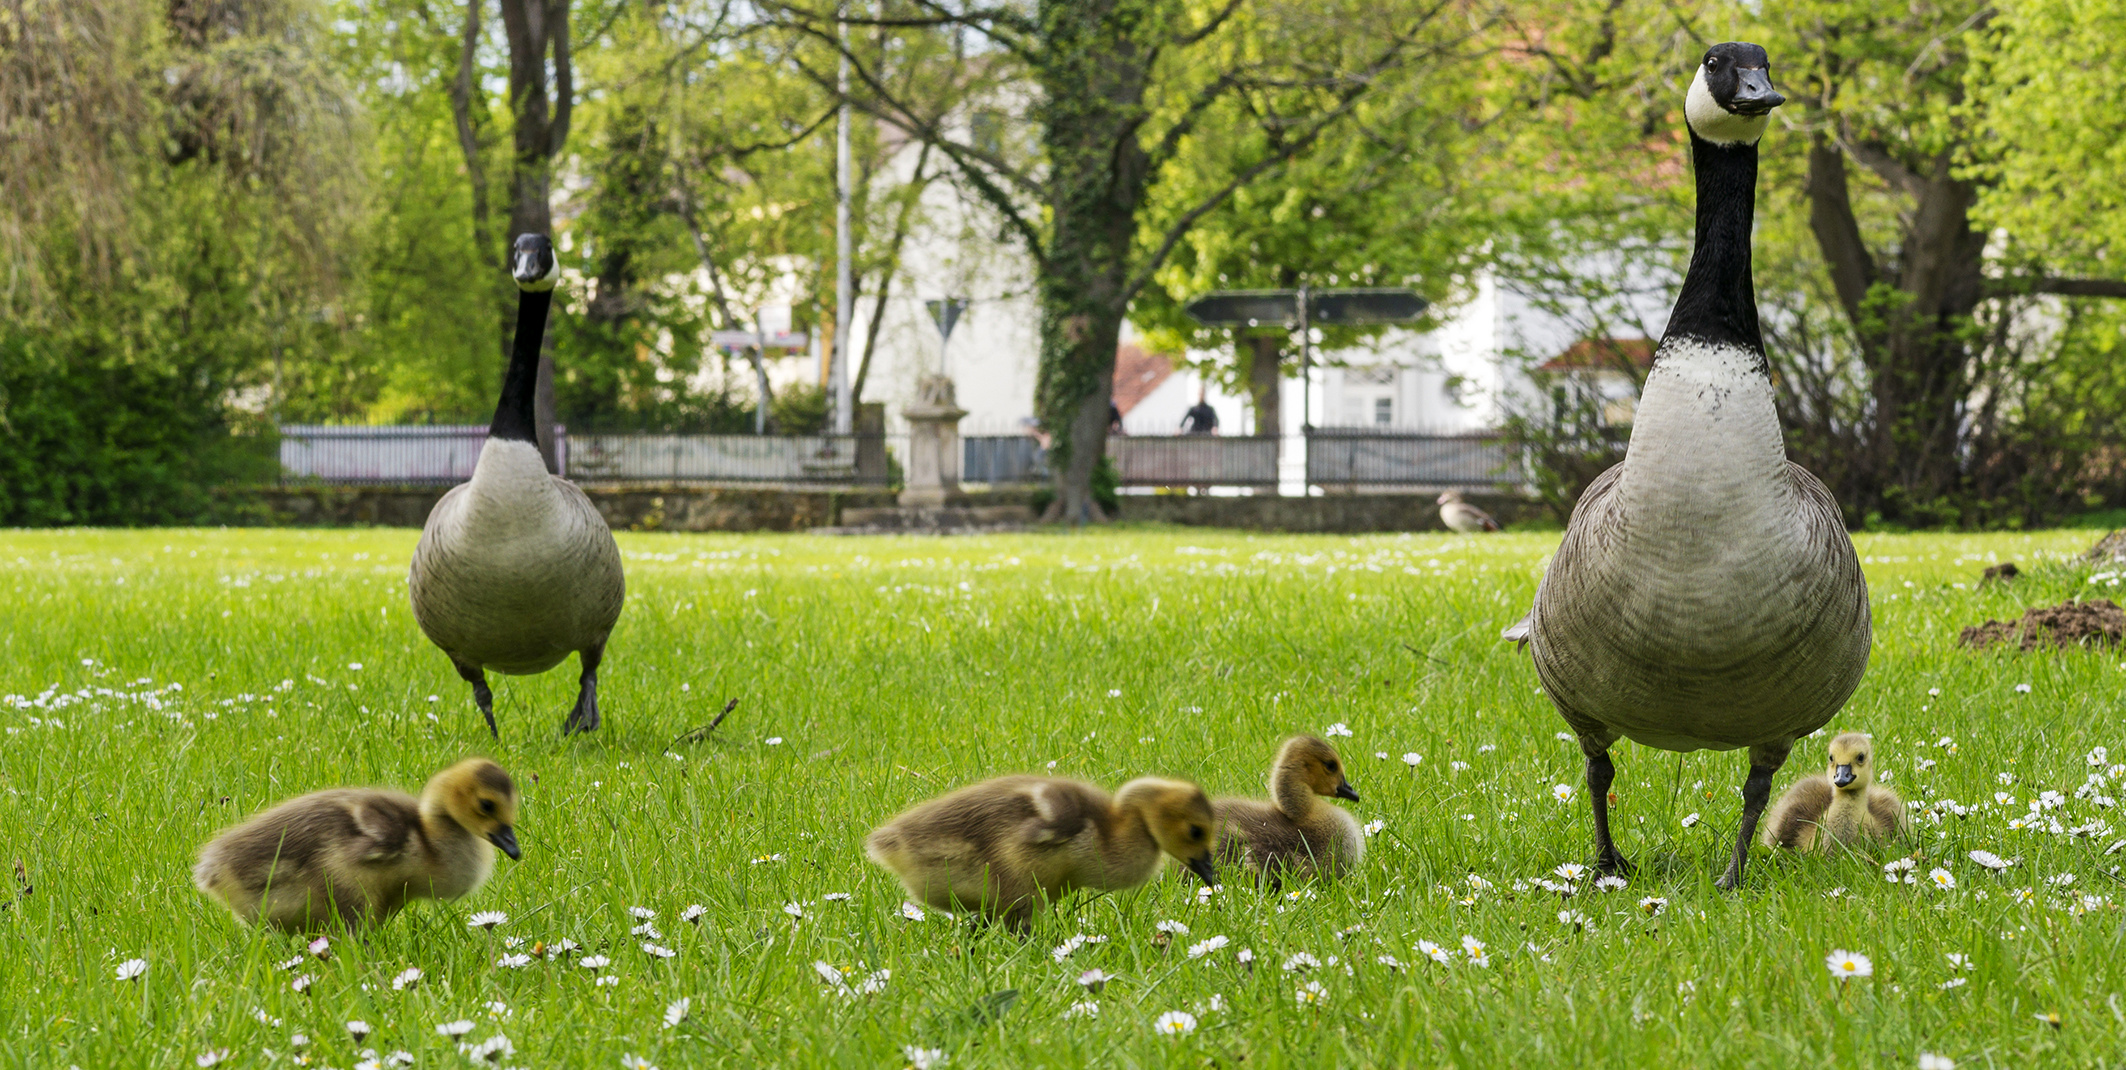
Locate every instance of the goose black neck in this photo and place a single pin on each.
(513, 413)
(1719, 301)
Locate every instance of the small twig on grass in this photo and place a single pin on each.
(1426, 656)
(702, 733)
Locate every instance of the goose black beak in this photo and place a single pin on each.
(525, 266)
(1346, 791)
(1755, 96)
(506, 838)
(1201, 867)
(1842, 775)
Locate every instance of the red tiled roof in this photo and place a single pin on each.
(1602, 354)
(1137, 374)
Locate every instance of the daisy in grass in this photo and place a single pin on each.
(1954, 982)
(1389, 961)
(1380, 756)
(1198, 950)
(607, 981)
(1571, 871)
(646, 929)
(1653, 905)
(1311, 994)
(1691, 819)
(1574, 918)
(595, 962)
(1930, 1061)
(299, 1040)
(213, 1057)
(1846, 965)
(321, 947)
(1085, 1009)
(794, 909)
(407, 978)
(632, 1061)
(455, 1029)
(1561, 792)
(131, 969)
(655, 951)
(358, 1029)
(911, 912)
(1172, 927)
(303, 983)
(487, 919)
(1374, 826)
(1174, 1024)
(642, 913)
(836, 897)
(1610, 883)
(1433, 951)
(675, 1012)
(492, 1050)
(1475, 948)
(1412, 759)
(496, 1009)
(1301, 960)
(1941, 879)
(1094, 980)
(925, 1058)
(513, 962)
(290, 964)
(695, 912)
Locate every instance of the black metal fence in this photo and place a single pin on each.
(1194, 460)
(1341, 457)
(432, 454)
(1001, 460)
(816, 459)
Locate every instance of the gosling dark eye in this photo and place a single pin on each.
(1860, 759)
(1332, 766)
(1195, 832)
(487, 806)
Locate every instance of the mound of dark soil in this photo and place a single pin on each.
(2100, 622)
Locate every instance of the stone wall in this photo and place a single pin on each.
(686, 508)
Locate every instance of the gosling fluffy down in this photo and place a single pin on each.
(1294, 833)
(1004, 847)
(1842, 805)
(358, 854)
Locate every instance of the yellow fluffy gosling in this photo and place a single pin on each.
(1007, 846)
(361, 853)
(1843, 805)
(1294, 833)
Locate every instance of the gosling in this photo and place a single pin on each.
(1841, 806)
(1004, 847)
(358, 854)
(1294, 833)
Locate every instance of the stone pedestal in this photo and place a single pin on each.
(933, 473)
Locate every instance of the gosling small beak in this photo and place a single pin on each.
(1842, 775)
(1201, 867)
(1755, 96)
(506, 838)
(1346, 791)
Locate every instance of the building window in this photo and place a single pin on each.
(1383, 411)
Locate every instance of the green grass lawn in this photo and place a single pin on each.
(215, 672)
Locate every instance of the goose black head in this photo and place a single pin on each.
(532, 263)
(1732, 94)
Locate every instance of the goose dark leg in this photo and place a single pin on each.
(1756, 791)
(480, 694)
(1601, 773)
(584, 718)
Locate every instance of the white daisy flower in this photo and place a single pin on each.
(513, 962)
(1989, 860)
(1374, 826)
(303, 983)
(1690, 819)
(1899, 865)
(1312, 994)
(1571, 871)
(695, 912)
(1085, 1009)
(299, 1040)
(1301, 960)
(1954, 982)
(399, 1058)
(1337, 729)
(1198, 950)
(631, 1061)
(321, 947)
(2022, 689)
(675, 1012)
(1432, 951)
(358, 1029)
(496, 1009)
(494, 1049)
(657, 952)
(291, 963)
(608, 980)
(1173, 927)
(911, 912)
(1380, 755)
(1942, 879)
(1245, 956)
(925, 1058)
(1412, 759)
(1175, 1024)
(1930, 1061)
(406, 979)
(794, 909)
(1610, 883)
(455, 1029)
(1960, 962)
(1389, 961)
(131, 969)
(595, 962)
(1653, 905)
(774, 741)
(836, 897)
(1846, 965)
(1573, 918)
(1562, 792)
(642, 913)
(212, 1057)
(487, 919)
(1094, 980)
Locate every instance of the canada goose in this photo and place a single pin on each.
(516, 569)
(359, 854)
(1706, 595)
(1842, 805)
(1294, 833)
(1005, 846)
(1461, 516)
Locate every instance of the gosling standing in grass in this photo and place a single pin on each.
(1007, 846)
(359, 854)
(1843, 805)
(1294, 833)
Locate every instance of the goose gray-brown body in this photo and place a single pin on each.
(1293, 832)
(1006, 846)
(516, 569)
(1706, 595)
(359, 854)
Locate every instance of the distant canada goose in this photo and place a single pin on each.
(1007, 846)
(516, 569)
(1294, 833)
(1461, 516)
(1706, 595)
(358, 854)
(1841, 806)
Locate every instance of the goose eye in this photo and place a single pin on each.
(487, 806)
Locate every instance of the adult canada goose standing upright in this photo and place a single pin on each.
(515, 569)
(1706, 595)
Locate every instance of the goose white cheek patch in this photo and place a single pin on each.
(1715, 123)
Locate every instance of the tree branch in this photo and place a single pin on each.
(1210, 27)
(469, 138)
(1875, 157)
(1853, 268)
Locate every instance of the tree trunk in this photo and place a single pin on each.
(1265, 380)
(1093, 87)
(538, 31)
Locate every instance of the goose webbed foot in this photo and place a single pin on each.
(481, 696)
(584, 718)
(1765, 762)
(1612, 863)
